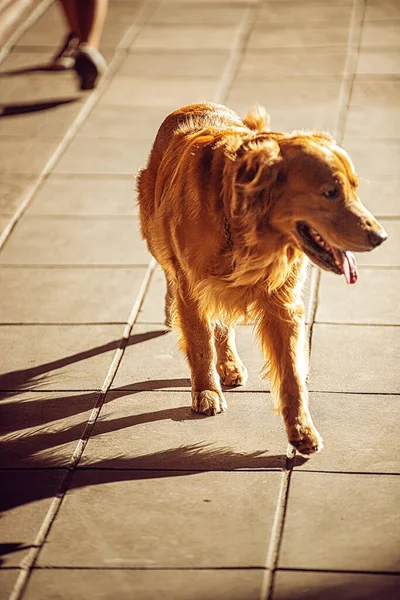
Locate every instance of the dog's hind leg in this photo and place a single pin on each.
(198, 346)
(282, 336)
(169, 300)
(229, 366)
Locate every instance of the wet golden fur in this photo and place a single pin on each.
(219, 202)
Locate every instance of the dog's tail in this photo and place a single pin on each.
(257, 119)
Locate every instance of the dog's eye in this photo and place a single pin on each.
(331, 193)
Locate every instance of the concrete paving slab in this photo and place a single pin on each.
(104, 156)
(159, 364)
(144, 584)
(40, 430)
(377, 10)
(296, 62)
(8, 578)
(381, 33)
(13, 190)
(307, 93)
(126, 122)
(314, 585)
(25, 499)
(41, 357)
(68, 295)
(355, 359)
(164, 513)
(4, 221)
(368, 122)
(26, 156)
(380, 61)
(369, 448)
(48, 32)
(380, 194)
(373, 300)
(321, 118)
(387, 255)
(378, 157)
(305, 12)
(90, 195)
(186, 37)
(338, 527)
(177, 13)
(375, 92)
(75, 242)
(176, 91)
(174, 63)
(158, 430)
(47, 118)
(284, 35)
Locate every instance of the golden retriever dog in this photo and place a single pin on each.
(231, 211)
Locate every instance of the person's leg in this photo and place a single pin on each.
(91, 15)
(71, 16)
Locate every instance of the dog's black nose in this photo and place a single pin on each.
(377, 237)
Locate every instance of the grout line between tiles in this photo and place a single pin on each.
(24, 26)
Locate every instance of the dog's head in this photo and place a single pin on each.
(303, 186)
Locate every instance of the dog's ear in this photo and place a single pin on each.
(258, 170)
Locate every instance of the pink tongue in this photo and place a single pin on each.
(348, 264)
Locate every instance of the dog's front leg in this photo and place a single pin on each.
(282, 337)
(198, 345)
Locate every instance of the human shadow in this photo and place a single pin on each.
(21, 108)
(22, 379)
(39, 68)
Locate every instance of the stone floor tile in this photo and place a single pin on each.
(181, 14)
(305, 13)
(283, 35)
(8, 578)
(24, 81)
(152, 309)
(176, 91)
(360, 433)
(378, 93)
(41, 430)
(4, 221)
(159, 364)
(48, 32)
(369, 123)
(380, 194)
(380, 33)
(175, 63)
(144, 584)
(68, 295)
(164, 513)
(322, 117)
(379, 61)
(294, 94)
(377, 157)
(86, 196)
(127, 122)
(13, 191)
(373, 300)
(379, 10)
(25, 499)
(355, 359)
(50, 118)
(158, 430)
(25, 156)
(341, 534)
(104, 156)
(387, 255)
(186, 37)
(314, 585)
(295, 62)
(41, 357)
(75, 242)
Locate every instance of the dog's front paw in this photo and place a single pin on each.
(208, 402)
(232, 373)
(305, 438)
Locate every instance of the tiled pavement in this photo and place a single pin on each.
(111, 487)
